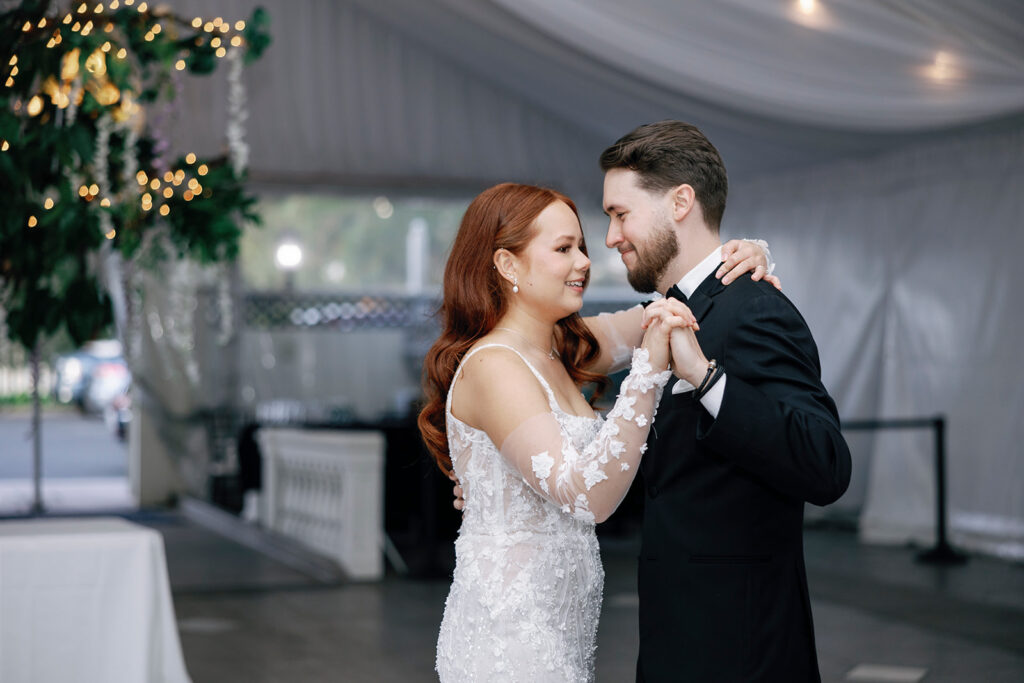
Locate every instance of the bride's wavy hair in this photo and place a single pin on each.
(476, 297)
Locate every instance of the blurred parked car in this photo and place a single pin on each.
(92, 376)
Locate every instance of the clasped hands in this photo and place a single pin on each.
(670, 339)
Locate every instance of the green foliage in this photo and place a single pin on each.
(62, 74)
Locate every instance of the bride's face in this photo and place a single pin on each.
(555, 265)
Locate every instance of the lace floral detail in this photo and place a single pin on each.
(582, 478)
(526, 592)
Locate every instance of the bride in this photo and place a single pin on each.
(537, 467)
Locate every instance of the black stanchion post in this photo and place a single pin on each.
(943, 552)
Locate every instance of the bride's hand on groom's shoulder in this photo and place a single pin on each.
(743, 256)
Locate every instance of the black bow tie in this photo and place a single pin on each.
(675, 293)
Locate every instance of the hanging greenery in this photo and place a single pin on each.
(82, 170)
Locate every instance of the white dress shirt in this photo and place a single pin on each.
(712, 400)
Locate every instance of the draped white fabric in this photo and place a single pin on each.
(906, 269)
(464, 93)
(871, 65)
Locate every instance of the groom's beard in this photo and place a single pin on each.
(652, 261)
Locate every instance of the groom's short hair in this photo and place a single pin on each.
(670, 153)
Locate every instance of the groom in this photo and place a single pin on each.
(740, 443)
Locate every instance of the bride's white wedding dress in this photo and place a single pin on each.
(526, 595)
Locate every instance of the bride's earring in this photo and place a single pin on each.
(515, 284)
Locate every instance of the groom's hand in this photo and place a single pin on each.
(459, 501)
(688, 361)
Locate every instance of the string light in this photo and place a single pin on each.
(83, 191)
(111, 235)
(190, 158)
(239, 25)
(141, 178)
(157, 28)
(128, 3)
(10, 81)
(32, 221)
(155, 183)
(14, 60)
(67, 18)
(188, 195)
(114, 4)
(168, 192)
(77, 26)
(180, 65)
(197, 22)
(202, 170)
(42, 23)
(164, 210)
(106, 46)
(14, 71)
(193, 184)
(220, 52)
(143, 7)
(208, 26)
(4, 146)
(122, 53)
(82, 8)
(48, 203)
(236, 41)
(215, 42)
(35, 105)
(99, 9)
(109, 28)
(105, 202)
(27, 27)
(94, 189)
(179, 176)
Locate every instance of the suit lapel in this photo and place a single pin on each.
(701, 300)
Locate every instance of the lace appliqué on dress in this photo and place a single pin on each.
(526, 593)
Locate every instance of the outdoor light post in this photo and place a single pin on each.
(288, 257)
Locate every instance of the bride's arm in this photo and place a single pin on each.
(619, 333)
(588, 483)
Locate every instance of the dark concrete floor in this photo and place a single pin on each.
(244, 616)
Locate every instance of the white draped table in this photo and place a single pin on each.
(86, 600)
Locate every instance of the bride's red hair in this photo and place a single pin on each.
(476, 297)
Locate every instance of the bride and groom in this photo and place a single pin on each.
(746, 433)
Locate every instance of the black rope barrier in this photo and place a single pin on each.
(942, 552)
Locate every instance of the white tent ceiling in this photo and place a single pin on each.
(461, 93)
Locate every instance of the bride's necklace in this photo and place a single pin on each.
(551, 353)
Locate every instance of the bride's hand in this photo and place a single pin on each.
(660, 318)
(742, 256)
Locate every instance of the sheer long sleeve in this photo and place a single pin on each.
(590, 484)
(618, 334)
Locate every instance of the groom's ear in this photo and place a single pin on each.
(683, 200)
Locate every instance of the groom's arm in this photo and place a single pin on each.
(776, 420)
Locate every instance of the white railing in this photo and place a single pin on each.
(325, 488)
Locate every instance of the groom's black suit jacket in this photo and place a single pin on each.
(722, 584)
